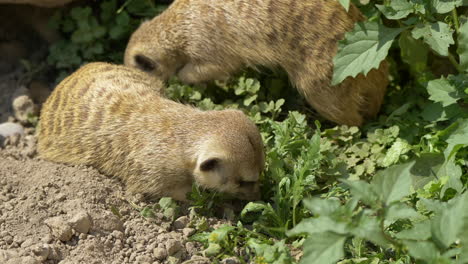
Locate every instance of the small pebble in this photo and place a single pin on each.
(80, 222)
(9, 129)
(181, 222)
(59, 228)
(160, 253)
(173, 246)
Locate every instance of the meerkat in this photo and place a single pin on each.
(202, 40)
(114, 118)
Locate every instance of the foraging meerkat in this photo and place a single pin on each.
(114, 119)
(201, 40)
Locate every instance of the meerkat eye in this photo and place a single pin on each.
(209, 164)
(145, 63)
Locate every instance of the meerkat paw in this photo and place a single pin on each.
(196, 73)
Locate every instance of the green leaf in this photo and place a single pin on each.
(460, 135)
(413, 52)
(419, 231)
(397, 9)
(398, 148)
(438, 35)
(345, 4)
(393, 183)
(221, 234)
(321, 224)
(252, 211)
(441, 90)
(323, 248)
(370, 229)
(212, 250)
(424, 250)
(321, 206)
(462, 49)
(362, 50)
(425, 169)
(400, 211)
(445, 6)
(448, 224)
(363, 191)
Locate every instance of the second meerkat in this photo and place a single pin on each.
(201, 40)
(114, 119)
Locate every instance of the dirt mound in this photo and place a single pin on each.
(52, 213)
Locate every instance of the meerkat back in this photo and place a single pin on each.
(300, 36)
(79, 107)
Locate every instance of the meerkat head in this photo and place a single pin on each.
(155, 49)
(231, 158)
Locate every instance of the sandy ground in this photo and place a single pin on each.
(53, 213)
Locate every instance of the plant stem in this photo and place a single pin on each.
(455, 63)
(455, 20)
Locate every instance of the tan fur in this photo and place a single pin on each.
(113, 118)
(201, 40)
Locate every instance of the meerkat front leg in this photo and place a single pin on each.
(195, 73)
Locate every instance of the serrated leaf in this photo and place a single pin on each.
(362, 50)
(438, 35)
(396, 9)
(393, 183)
(441, 90)
(212, 250)
(324, 248)
(462, 49)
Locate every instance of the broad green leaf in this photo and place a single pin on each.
(425, 169)
(424, 250)
(362, 50)
(368, 227)
(321, 224)
(345, 4)
(438, 35)
(447, 225)
(445, 6)
(419, 231)
(323, 248)
(400, 211)
(413, 52)
(363, 191)
(321, 207)
(396, 9)
(441, 90)
(453, 172)
(460, 135)
(393, 183)
(462, 49)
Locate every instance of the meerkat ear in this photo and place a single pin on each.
(145, 63)
(209, 164)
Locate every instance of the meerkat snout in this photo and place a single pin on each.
(232, 166)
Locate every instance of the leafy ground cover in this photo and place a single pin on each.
(393, 191)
